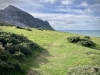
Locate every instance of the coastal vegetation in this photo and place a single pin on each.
(14, 49)
(53, 55)
(86, 41)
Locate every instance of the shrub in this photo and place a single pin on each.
(28, 29)
(5, 24)
(3, 41)
(19, 56)
(86, 43)
(4, 55)
(15, 43)
(26, 50)
(14, 47)
(9, 67)
(86, 37)
(73, 39)
(19, 27)
(1, 46)
(81, 41)
(40, 29)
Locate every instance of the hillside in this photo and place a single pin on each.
(15, 16)
(59, 57)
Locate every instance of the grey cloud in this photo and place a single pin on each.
(20, 3)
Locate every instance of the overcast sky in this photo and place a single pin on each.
(62, 14)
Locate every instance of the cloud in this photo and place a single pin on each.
(67, 2)
(95, 7)
(21, 4)
(84, 4)
(87, 8)
(70, 21)
(97, 1)
(46, 1)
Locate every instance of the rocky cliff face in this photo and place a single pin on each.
(15, 16)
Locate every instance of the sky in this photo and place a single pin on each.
(62, 14)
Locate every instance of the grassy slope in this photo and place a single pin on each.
(59, 55)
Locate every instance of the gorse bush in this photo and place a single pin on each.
(19, 56)
(4, 55)
(19, 27)
(86, 37)
(9, 67)
(28, 29)
(26, 50)
(73, 39)
(81, 41)
(6, 24)
(13, 49)
(86, 43)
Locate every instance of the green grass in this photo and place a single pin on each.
(59, 55)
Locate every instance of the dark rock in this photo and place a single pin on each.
(15, 16)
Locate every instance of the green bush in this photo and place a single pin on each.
(3, 41)
(9, 67)
(19, 56)
(5, 24)
(26, 50)
(4, 55)
(40, 29)
(81, 41)
(14, 48)
(28, 29)
(73, 39)
(86, 37)
(19, 27)
(86, 43)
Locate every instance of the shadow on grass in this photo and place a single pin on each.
(38, 58)
(96, 47)
(32, 72)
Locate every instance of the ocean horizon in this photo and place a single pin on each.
(95, 33)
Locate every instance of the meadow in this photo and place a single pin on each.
(59, 57)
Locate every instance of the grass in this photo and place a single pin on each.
(59, 55)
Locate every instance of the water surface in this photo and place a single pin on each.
(95, 33)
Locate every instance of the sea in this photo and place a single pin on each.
(95, 33)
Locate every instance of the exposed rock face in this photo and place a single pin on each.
(15, 16)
